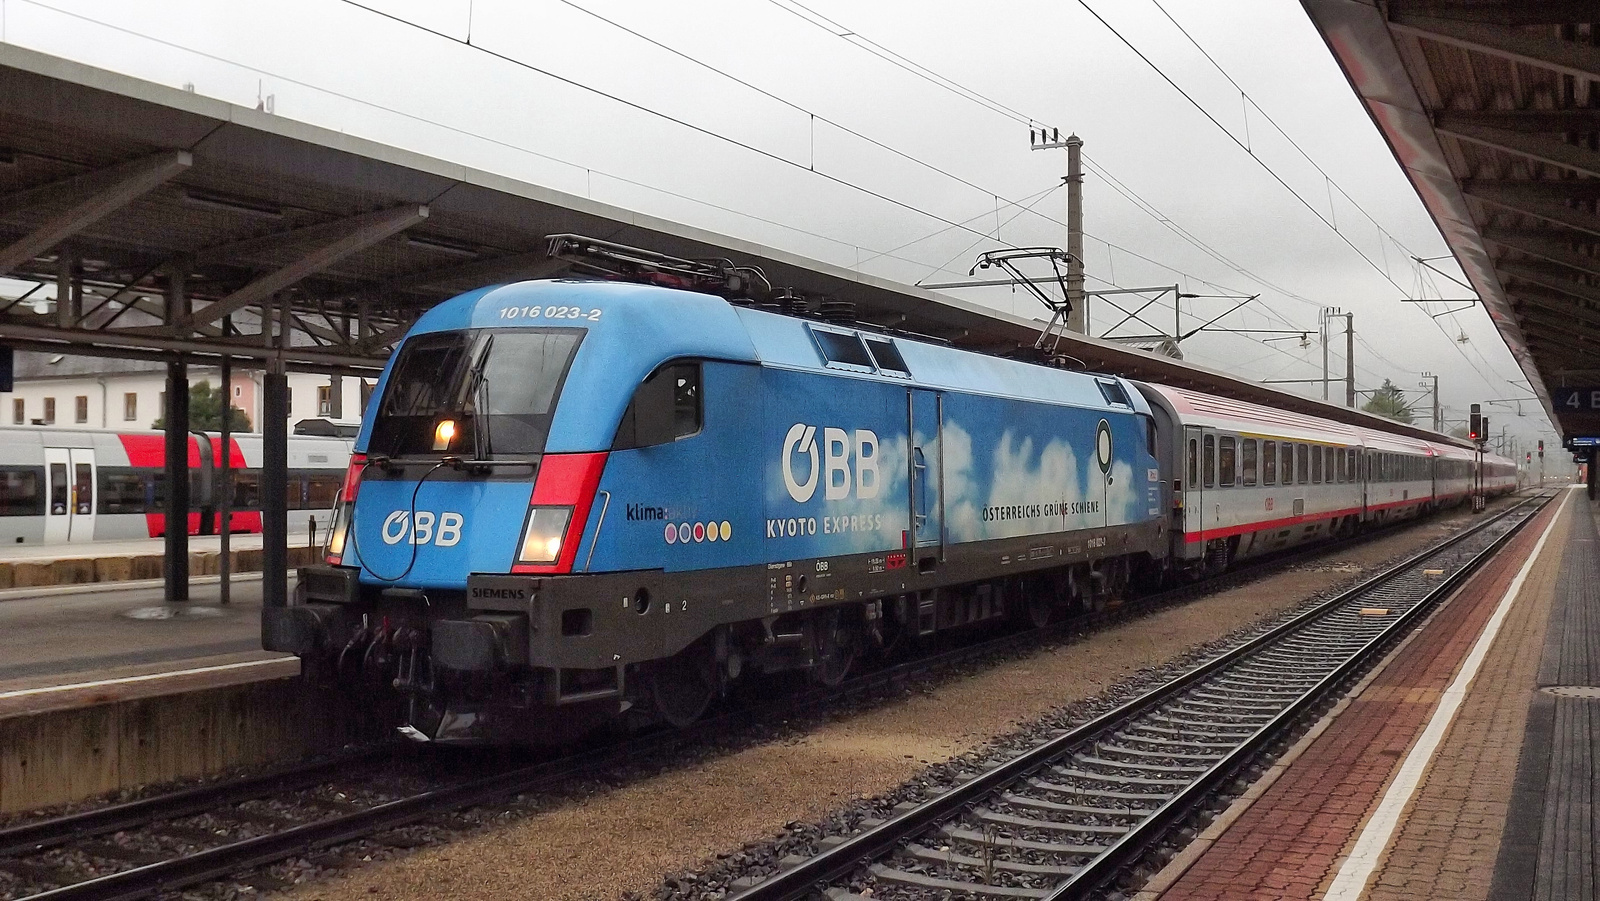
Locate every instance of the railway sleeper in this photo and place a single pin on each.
(1005, 819)
(1249, 695)
(1184, 730)
(1266, 687)
(1126, 813)
(1173, 739)
(1187, 726)
(978, 839)
(919, 881)
(1118, 780)
(1243, 709)
(1137, 765)
(1166, 755)
(1154, 799)
(925, 854)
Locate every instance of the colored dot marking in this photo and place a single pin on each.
(699, 531)
(711, 531)
(672, 534)
(727, 530)
(684, 532)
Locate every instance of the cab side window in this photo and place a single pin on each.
(665, 407)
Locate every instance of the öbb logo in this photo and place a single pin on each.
(845, 458)
(422, 528)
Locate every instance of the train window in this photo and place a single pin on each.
(1247, 460)
(83, 488)
(665, 407)
(246, 489)
(58, 488)
(1226, 467)
(887, 356)
(1149, 435)
(1194, 462)
(516, 374)
(322, 491)
(1113, 392)
(842, 348)
(21, 491)
(1269, 463)
(123, 491)
(1316, 466)
(1211, 462)
(1303, 453)
(1352, 474)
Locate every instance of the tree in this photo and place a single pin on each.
(205, 411)
(1390, 402)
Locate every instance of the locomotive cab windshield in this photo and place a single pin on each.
(475, 393)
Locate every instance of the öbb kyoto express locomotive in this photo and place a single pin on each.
(572, 499)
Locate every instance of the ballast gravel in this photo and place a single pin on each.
(686, 832)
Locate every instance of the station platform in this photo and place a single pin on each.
(27, 566)
(1463, 767)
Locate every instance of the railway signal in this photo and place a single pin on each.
(1475, 426)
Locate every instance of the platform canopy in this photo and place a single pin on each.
(160, 215)
(1493, 110)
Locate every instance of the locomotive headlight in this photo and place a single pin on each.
(443, 434)
(542, 537)
(336, 537)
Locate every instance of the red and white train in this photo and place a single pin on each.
(62, 486)
(1249, 479)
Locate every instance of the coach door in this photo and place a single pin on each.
(926, 481)
(69, 493)
(1196, 463)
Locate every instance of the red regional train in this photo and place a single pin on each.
(1249, 479)
(60, 486)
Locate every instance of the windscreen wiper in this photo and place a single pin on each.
(481, 447)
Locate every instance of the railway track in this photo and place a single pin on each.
(171, 841)
(1066, 818)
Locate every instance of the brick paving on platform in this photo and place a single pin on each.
(1290, 841)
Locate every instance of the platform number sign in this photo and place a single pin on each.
(1577, 400)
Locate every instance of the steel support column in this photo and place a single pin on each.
(175, 567)
(275, 476)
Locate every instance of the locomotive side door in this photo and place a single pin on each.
(925, 414)
(58, 495)
(81, 527)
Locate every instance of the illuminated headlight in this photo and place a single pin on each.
(443, 434)
(334, 552)
(542, 537)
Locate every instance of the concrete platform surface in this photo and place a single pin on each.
(60, 635)
(1448, 773)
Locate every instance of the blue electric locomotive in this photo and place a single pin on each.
(572, 499)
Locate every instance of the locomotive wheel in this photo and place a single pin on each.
(682, 686)
(835, 649)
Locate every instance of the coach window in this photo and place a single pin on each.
(1211, 461)
(1194, 463)
(665, 407)
(20, 493)
(1225, 463)
(1351, 464)
(1247, 460)
(1302, 467)
(1316, 466)
(1269, 462)
(58, 488)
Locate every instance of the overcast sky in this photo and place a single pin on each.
(927, 179)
